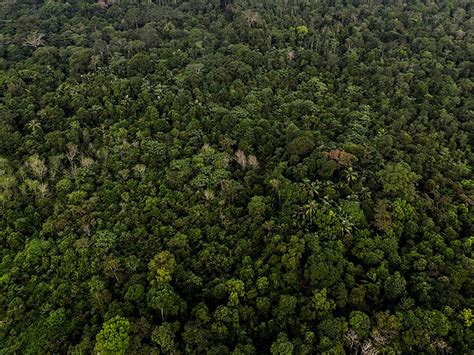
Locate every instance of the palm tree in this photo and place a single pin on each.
(310, 210)
(34, 126)
(311, 187)
(347, 223)
(351, 175)
(34, 40)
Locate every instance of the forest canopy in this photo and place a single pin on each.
(236, 177)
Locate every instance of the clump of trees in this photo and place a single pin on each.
(236, 177)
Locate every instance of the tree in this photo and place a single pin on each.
(302, 31)
(360, 323)
(282, 346)
(398, 180)
(395, 286)
(165, 300)
(257, 208)
(37, 166)
(113, 338)
(286, 308)
(34, 40)
(251, 17)
(310, 210)
(162, 267)
(164, 336)
(340, 158)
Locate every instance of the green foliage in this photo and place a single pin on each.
(164, 300)
(162, 267)
(282, 346)
(113, 338)
(468, 317)
(164, 337)
(135, 293)
(302, 31)
(322, 305)
(232, 177)
(360, 322)
(395, 286)
(398, 180)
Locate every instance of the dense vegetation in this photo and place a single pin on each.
(236, 176)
